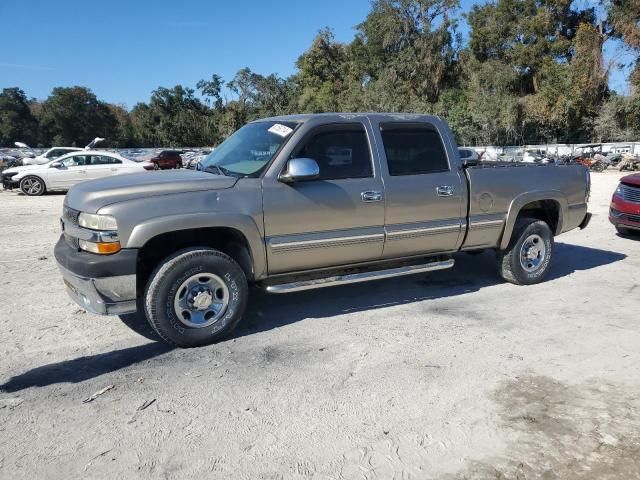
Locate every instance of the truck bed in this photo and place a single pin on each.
(498, 189)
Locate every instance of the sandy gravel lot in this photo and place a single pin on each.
(449, 375)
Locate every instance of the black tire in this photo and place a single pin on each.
(156, 166)
(33, 186)
(597, 167)
(511, 261)
(162, 289)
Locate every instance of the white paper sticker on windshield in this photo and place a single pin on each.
(280, 129)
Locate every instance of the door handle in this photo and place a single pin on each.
(371, 196)
(444, 190)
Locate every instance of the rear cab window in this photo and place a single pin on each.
(413, 149)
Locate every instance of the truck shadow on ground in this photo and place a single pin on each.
(266, 312)
(470, 274)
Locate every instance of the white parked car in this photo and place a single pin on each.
(51, 154)
(66, 171)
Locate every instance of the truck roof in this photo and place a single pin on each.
(338, 117)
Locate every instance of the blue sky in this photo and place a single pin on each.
(123, 49)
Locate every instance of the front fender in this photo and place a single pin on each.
(145, 231)
(521, 200)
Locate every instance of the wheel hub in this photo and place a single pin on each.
(532, 253)
(201, 300)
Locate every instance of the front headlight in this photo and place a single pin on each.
(97, 222)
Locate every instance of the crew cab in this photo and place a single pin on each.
(305, 201)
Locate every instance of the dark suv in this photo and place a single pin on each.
(167, 159)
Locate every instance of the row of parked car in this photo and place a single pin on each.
(59, 168)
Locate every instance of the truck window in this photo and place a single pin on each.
(413, 149)
(341, 152)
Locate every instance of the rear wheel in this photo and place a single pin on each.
(32, 186)
(528, 257)
(196, 297)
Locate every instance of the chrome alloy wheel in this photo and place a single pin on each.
(32, 186)
(201, 300)
(532, 253)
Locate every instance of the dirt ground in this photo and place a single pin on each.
(450, 375)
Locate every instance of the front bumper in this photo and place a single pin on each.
(105, 285)
(624, 213)
(622, 219)
(8, 183)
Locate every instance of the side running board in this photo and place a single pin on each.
(358, 277)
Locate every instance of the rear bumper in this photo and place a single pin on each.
(105, 285)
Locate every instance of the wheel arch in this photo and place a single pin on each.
(549, 206)
(238, 237)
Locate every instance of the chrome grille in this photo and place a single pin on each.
(629, 193)
(70, 215)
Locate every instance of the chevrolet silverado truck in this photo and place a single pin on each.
(305, 201)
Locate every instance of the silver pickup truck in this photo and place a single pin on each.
(305, 201)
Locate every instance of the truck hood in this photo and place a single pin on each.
(95, 194)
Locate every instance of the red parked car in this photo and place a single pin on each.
(624, 212)
(167, 159)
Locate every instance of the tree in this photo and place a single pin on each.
(320, 74)
(623, 16)
(412, 44)
(74, 116)
(17, 123)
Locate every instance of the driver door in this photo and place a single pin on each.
(335, 219)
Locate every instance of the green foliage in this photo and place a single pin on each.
(531, 71)
(17, 123)
(74, 116)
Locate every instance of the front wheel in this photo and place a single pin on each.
(528, 257)
(32, 186)
(195, 297)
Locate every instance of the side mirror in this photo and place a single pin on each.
(300, 170)
(56, 165)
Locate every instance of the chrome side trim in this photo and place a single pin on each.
(425, 229)
(325, 242)
(486, 224)
(358, 277)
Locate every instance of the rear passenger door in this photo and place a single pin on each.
(425, 197)
(100, 166)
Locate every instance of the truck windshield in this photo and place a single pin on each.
(248, 151)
